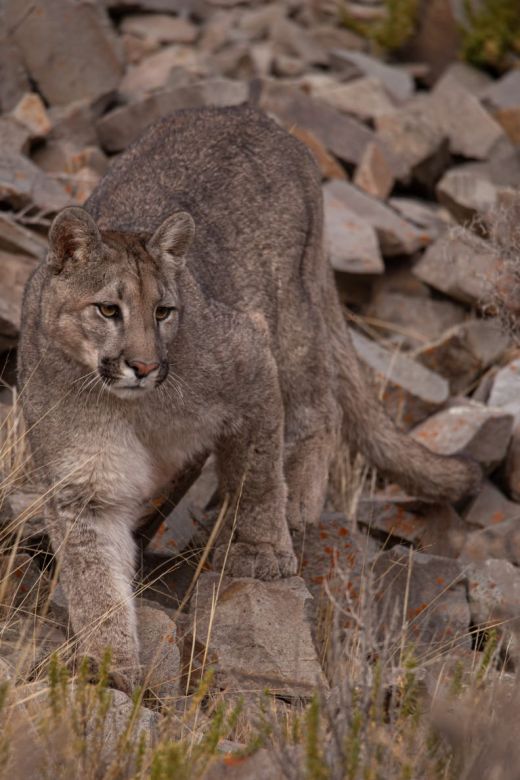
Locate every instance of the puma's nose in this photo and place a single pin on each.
(142, 369)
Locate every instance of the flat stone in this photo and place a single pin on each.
(396, 236)
(365, 98)
(410, 391)
(509, 121)
(294, 40)
(464, 352)
(480, 431)
(68, 48)
(504, 92)
(505, 392)
(468, 191)
(30, 111)
(172, 67)
(259, 634)
(264, 764)
(494, 600)
(342, 135)
(419, 146)
(397, 81)
(14, 82)
(61, 156)
(120, 127)
(74, 123)
(458, 269)
(471, 130)
(16, 238)
(160, 28)
(424, 214)
(350, 241)
(429, 601)
(512, 464)
(501, 540)
(15, 137)
(418, 319)
(491, 507)
(374, 174)
(330, 168)
(15, 269)
(433, 529)
(22, 183)
(159, 654)
(473, 80)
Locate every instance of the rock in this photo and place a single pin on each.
(170, 68)
(433, 594)
(180, 525)
(31, 113)
(419, 146)
(68, 48)
(396, 236)
(14, 82)
(259, 634)
(350, 241)
(473, 80)
(454, 267)
(159, 654)
(15, 137)
(160, 28)
(468, 191)
(365, 98)
(433, 529)
(503, 93)
(494, 596)
(419, 319)
(63, 157)
(471, 131)
(505, 392)
(22, 183)
(292, 39)
(330, 168)
(16, 238)
(410, 391)
(137, 724)
(512, 464)
(490, 507)
(473, 429)
(15, 269)
(264, 764)
(374, 174)
(425, 214)
(397, 81)
(464, 352)
(509, 121)
(74, 123)
(123, 125)
(496, 541)
(343, 136)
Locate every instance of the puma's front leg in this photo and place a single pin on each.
(94, 549)
(250, 465)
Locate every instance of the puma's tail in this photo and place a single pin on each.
(368, 429)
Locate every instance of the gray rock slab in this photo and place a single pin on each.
(396, 235)
(491, 507)
(123, 125)
(259, 634)
(15, 269)
(501, 540)
(68, 47)
(172, 67)
(340, 134)
(159, 653)
(365, 98)
(458, 269)
(160, 28)
(471, 130)
(503, 93)
(411, 392)
(505, 391)
(17, 238)
(465, 351)
(494, 599)
(418, 319)
(429, 600)
(467, 191)
(22, 183)
(374, 174)
(397, 81)
(480, 431)
(350, 241)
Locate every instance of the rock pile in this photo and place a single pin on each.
(403, 168)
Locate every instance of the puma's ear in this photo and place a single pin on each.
(172, 239)
(73, 235)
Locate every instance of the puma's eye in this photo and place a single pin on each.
(163, 312)
(109, 310)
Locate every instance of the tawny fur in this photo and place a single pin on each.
(255, 364)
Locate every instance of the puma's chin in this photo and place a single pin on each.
(131, 393)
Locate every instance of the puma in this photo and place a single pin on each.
(190, 306)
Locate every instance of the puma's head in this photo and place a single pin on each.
(113, 304)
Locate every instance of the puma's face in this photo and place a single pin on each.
(113, 303)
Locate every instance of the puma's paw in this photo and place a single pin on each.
(124, 673)
(262, 561)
